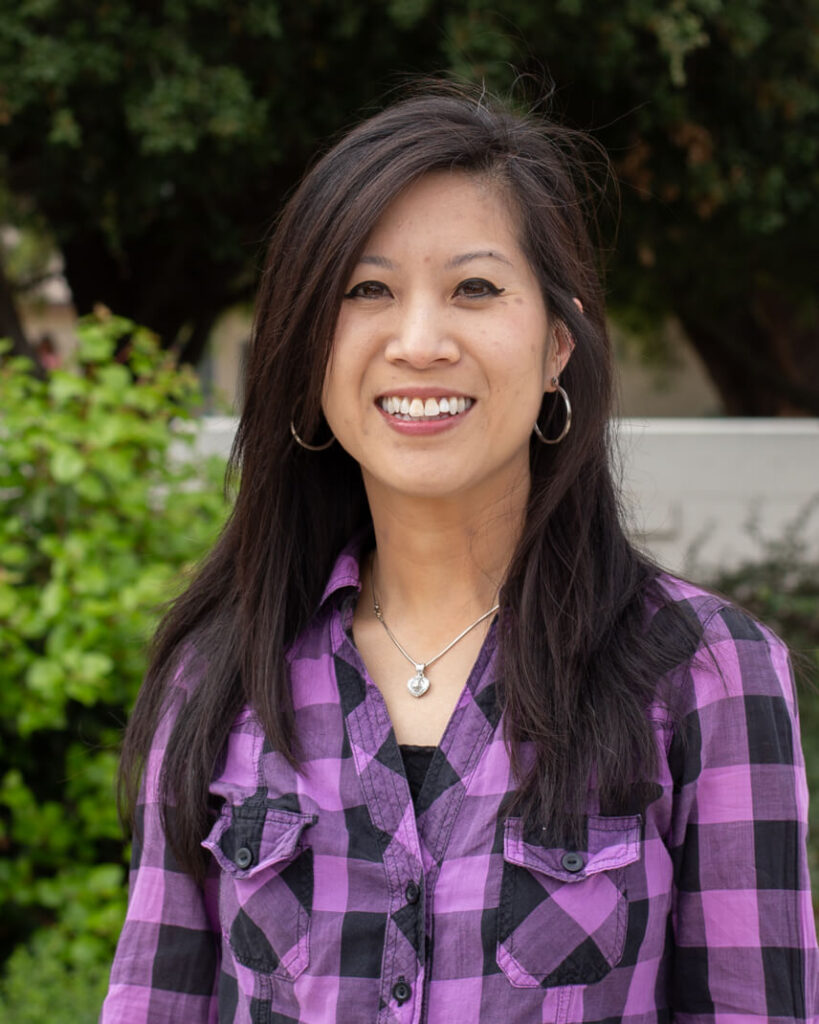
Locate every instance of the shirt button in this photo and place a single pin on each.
(412, 892)
(244, 858)
(401, 991)
(572, 861)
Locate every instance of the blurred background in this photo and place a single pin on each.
(144, 151)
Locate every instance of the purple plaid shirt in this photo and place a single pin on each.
(331, 898)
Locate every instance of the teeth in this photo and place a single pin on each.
(431, 408)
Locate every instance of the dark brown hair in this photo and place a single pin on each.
(578, 667)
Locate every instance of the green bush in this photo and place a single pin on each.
(100, 521)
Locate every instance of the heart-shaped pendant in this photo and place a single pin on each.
(418, 684)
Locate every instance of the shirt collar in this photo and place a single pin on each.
(346, 571)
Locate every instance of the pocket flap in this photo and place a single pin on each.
(247, 838)
(612, 843)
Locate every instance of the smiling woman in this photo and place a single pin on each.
(427, 739)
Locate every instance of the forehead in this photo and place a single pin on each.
(446, 208)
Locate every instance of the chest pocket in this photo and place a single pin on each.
(265, 886)
(563, 913)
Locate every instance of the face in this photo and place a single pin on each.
(443, 347)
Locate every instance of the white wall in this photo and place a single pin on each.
(699, 488)
(695, 486)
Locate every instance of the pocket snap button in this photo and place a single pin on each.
(412, 892)
(572, 861)
(244, 858)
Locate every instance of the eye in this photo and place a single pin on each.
(368, 290)
(477, 288)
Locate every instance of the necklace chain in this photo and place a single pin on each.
(419, 683)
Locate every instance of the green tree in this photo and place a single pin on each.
(156, 141)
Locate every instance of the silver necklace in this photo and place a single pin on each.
(419, 683)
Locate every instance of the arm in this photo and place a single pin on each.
(167, 961)
(744, 935)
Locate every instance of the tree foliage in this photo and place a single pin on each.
(157, 140)
(100, 518)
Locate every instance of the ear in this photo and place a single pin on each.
(562, 346)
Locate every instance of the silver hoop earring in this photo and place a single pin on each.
(304, 444)
(566, 426)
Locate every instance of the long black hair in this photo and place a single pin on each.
(577, 667)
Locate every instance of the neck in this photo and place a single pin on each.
(442, 561)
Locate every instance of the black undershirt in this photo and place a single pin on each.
(416, 764)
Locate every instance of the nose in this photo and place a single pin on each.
(421, 336)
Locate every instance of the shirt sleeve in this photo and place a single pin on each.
(742, 920)
(166, 965)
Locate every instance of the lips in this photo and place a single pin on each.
(414, 408)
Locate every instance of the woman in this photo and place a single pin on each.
(427, 739)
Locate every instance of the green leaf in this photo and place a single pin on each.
(91, 488)
(115, 378)
(96, 344)
(65, 131)
(64, 386)
(44, 677)
(94, 665)
(54, 598)
(8, 599)
(67, 465)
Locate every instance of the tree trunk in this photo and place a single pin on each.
(173, 291)
(763, 361)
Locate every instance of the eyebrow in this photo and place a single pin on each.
(481, 254)
(456, 261)
(378, 261)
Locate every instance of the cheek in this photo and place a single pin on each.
(534, 355)
(341, 397)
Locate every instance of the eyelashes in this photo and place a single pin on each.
(478, 288)
(368, 290)
(471, 288)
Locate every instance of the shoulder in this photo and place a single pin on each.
(735, 660)
(181, 710)
(714, 618)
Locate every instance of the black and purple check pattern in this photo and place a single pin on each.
(329, 900)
